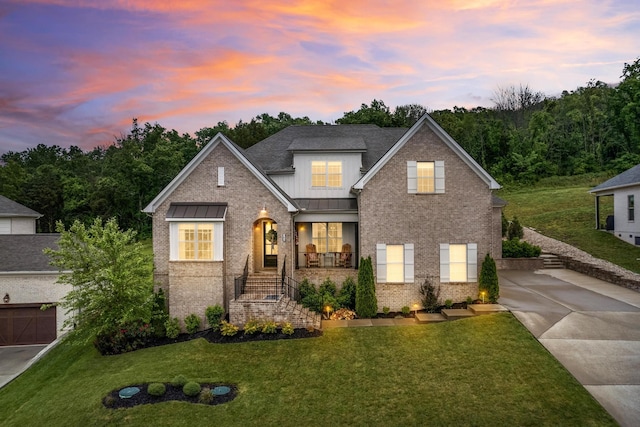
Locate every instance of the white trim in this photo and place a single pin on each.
(190, 167)
(220, 176)
(445, 137)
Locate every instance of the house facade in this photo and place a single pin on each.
(625, 190)
(27, 280)
(309, 202)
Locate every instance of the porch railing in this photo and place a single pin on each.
(240, 282)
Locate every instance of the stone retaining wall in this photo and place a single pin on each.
(599, 273)
(519, 263)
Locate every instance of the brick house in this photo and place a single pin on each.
(234, 220)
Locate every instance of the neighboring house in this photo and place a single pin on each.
(412, 199)
(625, 190)
(27, 281)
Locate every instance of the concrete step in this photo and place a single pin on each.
(551, 261)
(486, 308)
(430, 318)
(457, 313)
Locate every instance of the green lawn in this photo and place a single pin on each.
(484, 371)
(564, 209)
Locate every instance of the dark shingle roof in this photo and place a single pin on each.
(275, 153)
(23, 252)
(197, 210)
(9, 208)
(626, 178)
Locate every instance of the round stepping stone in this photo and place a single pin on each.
(221, 390)
(128, 392)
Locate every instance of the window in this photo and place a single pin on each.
(326, 174)
(425, 177)
(221, 176)
(394, 263)
(196, 241)
(458, 263)
(630, 208)
(327, 236)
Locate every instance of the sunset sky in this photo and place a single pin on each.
(75, 72)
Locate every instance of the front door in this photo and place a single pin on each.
(270, 238)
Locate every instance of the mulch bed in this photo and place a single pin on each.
(217, 338)
(113, 400)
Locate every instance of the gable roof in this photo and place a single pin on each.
(275, 153)
(625, 179)
(23, 252)
(427, 120)
(9, 208)
(237, 152)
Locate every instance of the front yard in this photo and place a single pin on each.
(483, 371)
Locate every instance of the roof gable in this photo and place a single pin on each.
(427, 120)
(625, 179)
(237, 152)
(9, 208)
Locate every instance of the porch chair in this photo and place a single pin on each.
(313, 260)
(345, 256)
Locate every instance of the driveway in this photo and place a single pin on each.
(15, 359)
(592, 327)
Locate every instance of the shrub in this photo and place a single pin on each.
(469, 300)
(156, 389)
(228, 329)
(448, 303)
(489, 279)
(328, 287)
(214, 315)
(366, 302)
(505, 225)
(519, 249)
(430, 295)
(347, 295)
(109, 401)
(159, 314)
(191, 389)
(514, 231)
(406, 310)
(287, 328)
(386, 310)
(192, 323)
(179, 381)
(252, 326)
(128, 337)
(309, 296)
(205, 396)
(172, 326)
(269, 327)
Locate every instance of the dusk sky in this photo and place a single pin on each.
(75, 72)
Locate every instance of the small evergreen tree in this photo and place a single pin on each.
(505, 225)
(489, 279)
(515, 230)
(366, 302)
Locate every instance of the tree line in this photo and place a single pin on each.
(525, 136)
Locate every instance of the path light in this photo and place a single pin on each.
(415, 308)
(482, 294)
(328, 309)
(6, 298)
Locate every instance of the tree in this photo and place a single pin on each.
(366, 302)
(110, 273)
(489, 279)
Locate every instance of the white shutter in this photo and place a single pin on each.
(472, 262)
(173, 241)
(408, 263)
(218, 241)
(221, 176)
(381, 262)
(439, 175)
(412, 176)
(444, 263)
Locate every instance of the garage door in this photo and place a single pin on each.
(22, 324)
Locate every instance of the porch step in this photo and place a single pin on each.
(430, 318)
(551, 261)
(457, 313)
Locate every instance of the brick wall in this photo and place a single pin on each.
(463, 214)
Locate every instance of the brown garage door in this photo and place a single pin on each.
(22, 324)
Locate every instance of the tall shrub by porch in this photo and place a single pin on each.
(489, 279)
(366, 302)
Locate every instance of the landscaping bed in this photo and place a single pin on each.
(114, 401)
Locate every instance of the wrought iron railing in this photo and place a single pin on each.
(241, 281)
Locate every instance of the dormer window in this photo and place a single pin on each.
(326, 174)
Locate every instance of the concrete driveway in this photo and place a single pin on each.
(592, 327)
(15, 359)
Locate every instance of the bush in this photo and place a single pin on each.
(448, 303)
(128, 337)
(205, 396)
(366, 302)
(251, 327)
(192, 323)
(172, 326)
(469, 300)
(519, 249)
(505, 225)
(514, 231)
(328, 287)
(489, 279)
(309, 296)
(347, 295)
(159, 314)
(430, 295)
(191, 389)
(228, 329)
(386, 310)
(287, 328)
(214, 315)
(156, 389)
(179, 381)
(406, 310)
(269, 327)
